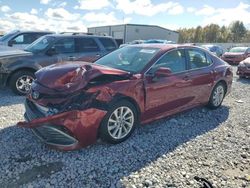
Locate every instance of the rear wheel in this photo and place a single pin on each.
(20, 82)
(119, 122)
(217, 96)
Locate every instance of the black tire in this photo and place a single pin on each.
(104, 132)
(14, 79)
(211, 103)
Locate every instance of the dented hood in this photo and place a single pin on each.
(73, 75)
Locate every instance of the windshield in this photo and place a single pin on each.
(238, 50)
(130, 59)
(8, 35)
(40, 44)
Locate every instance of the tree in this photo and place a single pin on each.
(198, 35)
(238, 31)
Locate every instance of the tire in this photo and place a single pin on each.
(217, 96)
(22, 79)
(111, 129)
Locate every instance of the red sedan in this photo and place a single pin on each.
(73, 103)
(236, 55)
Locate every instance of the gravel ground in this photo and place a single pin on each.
(168, 153)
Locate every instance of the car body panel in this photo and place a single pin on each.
(89, 90)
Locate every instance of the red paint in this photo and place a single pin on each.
(234, 58)
(154, 98)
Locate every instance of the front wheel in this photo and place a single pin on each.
(119, 122)
(217, 96)
(20, 82)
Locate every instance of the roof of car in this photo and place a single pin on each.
(163, 46)
(78, 35)
(35, 32)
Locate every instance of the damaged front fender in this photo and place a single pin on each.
(65, 131)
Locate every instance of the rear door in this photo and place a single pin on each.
(87, 49)
(200, 73)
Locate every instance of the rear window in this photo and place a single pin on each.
(108, 44)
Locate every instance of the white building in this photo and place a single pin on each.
(129, 32)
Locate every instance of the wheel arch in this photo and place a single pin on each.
(129, 99)
(20, 69)
(222, 82)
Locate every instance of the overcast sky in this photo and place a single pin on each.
(77, 15)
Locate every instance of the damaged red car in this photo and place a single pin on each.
(72, 104)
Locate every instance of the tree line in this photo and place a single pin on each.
(236, 32)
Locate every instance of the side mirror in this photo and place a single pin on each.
(11, 42)
(51, 52)
(162, 72)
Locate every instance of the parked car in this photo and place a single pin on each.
(21, 39)
(131, 43)
(74, 103)
(236, 55)
(244, 68)
(17, 67)
(156, 41)
(214, 49)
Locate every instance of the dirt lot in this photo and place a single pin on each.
(211, 144)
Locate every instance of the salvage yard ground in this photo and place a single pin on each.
(168, 153)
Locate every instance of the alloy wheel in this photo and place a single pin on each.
(23, 83)
(120, 122)
(218, 95)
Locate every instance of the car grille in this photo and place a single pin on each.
(54, 135)
(51, 134)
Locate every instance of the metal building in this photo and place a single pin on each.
(129, 32)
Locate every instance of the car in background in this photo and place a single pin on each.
(157, 41)
(21, 39)
(214, 49)
(132, 43)
(236, 55)
(73, 103)
(244, 68)
(17, 67)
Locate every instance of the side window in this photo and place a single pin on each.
(174, 60)
(66, 45)
(197, 59)
(108, 44)
(26, 38)
(86, 45)
(248, 50)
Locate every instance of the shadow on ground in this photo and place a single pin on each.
(100, 165)
(8, 98)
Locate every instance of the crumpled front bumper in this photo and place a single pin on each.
(64, 131)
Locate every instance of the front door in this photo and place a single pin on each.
(165, 95)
